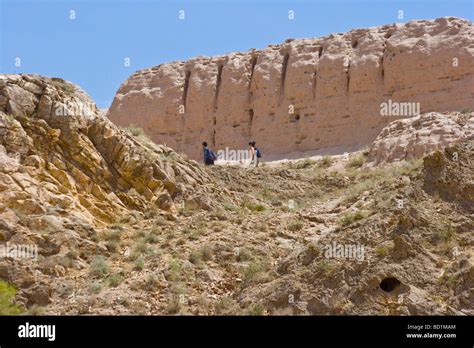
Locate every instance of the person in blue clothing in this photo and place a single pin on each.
(209, 156)
(255, 155)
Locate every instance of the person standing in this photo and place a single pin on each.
(255, 155)
(209, 156)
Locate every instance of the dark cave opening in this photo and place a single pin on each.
(389, 284)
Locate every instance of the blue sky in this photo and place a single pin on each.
(90, 50)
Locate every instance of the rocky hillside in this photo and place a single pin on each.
(306, 237)
(414, 222)
(125, 226)
(66, 172)
(305, 95)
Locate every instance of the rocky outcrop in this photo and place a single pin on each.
(449, 174)
(413, 138)
(66, 172)
(52, 133)
(305, 95)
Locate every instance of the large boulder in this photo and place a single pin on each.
(412, 138)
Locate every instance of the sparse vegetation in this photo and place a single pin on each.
(95, 287)
(382, 250)
(243, 254)
(35, 310)
(326, 161)
(448, 233)
(203, 254)
(113, 239)
(174, 305)
(295, 226)
(219, 215)
(9, 117)
(135, 131)
(256, 309)
(226, 306)
(64, 87)
(7, 296)
(325, 267)
(150, 237)
(254, 207)
(306, 163)
(195, 257)
(141, 136)
(99, 267)
(115, 280)
(356, 161)
(448, 279)
(256, 272)
(151, 283)
(349, 218)
(139, 264)
(141, 248)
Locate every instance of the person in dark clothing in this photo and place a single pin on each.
(209, 156)
(255, 155)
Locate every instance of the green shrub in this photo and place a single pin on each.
(326, 161)
(349, 218)
(139, 263)
(243, 255)
(256, 309)
(203, 254)
(151, 237)
(255, 273)
(134, 130)
(356, 162)
(295, 226)
(7, 296)
(115, 280)
(227, 306)
(95, 287)
(254, 207)
(35, 310)
(306, 163)
(195, 257)
(382, 251)
(140, 135)
(151, 283)
(99, 267)
(325, 267)
(65, 87)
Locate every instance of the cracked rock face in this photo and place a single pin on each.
(305, 95)
(58, 154)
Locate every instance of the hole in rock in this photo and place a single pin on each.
(389, 284)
